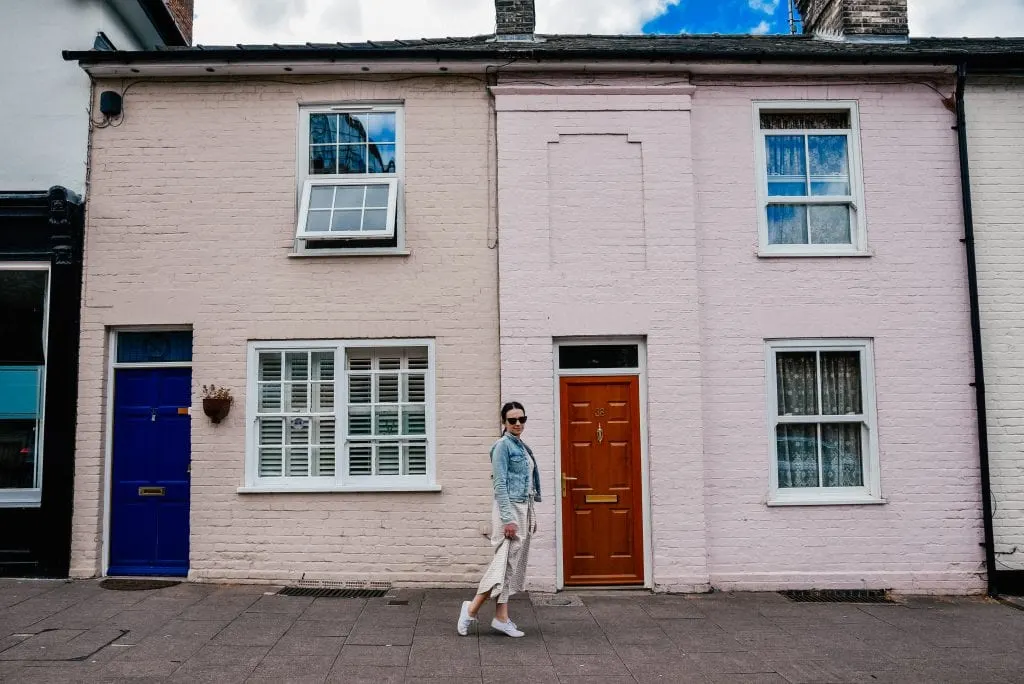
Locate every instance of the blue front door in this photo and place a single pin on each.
(150, 479)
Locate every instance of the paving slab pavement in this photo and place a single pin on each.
(77, 631)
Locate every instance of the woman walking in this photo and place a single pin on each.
(516, 488)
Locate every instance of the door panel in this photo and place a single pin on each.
(602, 507)
(150, 492)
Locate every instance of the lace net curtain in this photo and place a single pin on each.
(806, 165)
(819, 454)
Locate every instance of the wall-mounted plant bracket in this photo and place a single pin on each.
(216, 402)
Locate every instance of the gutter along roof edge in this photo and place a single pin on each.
(981, 53)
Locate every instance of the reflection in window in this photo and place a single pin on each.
(807, 167)
(352, 143)
(22, 312)
(598, 356)
(17, 454)
(23, 301)
(349, 190)
(154, 347)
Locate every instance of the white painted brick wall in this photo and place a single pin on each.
(995, 127)
(191, 220)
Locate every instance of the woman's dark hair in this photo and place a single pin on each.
(510, 406)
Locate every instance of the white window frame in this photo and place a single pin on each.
(349, 244)
(870, 492)
(307, 189)
(32, 497)
(858, 222)
(341, 481)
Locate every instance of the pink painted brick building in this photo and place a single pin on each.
(729, 291)
(644, 231)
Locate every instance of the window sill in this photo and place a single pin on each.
(350, 489)
(813, 254)
(845, 500)
(28, 498)
(354, 252)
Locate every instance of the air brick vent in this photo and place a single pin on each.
(327, 592)
(839, 596)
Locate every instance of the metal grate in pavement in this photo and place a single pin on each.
(560, 600)
(838, 596)
(325, 592)
(125, 584)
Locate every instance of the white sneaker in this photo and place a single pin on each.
(507, 628)
(465, 619)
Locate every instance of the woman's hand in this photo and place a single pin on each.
(511, 531)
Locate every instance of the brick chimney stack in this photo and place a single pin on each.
(856, 20)
(182, 12)
(516, 19)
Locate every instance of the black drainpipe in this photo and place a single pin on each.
(979, 365)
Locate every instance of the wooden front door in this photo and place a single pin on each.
(602, 510)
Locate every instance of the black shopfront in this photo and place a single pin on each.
(40, 293)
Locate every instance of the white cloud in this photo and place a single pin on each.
(328, 21)
(761, 29)
(766, 6)
(980, 18)
(300, 21)
(596, 16)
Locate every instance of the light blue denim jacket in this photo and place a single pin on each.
(511, 473)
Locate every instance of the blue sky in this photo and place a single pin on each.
(723, 16)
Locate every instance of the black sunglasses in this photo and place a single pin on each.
(516, 421)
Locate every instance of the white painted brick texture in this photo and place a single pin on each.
(192, 214)
(995, 128)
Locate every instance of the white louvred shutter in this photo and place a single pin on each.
(416, 388)
(323, 376)
(418, 359)
(297, 366)
(360, 378)
(387, 421)
(389, 460)
(414, 420)
(270, 367)
(271, 447)
(324, 455)
(297, 388)
(298, 462)
(269, 381)
(416, 459)
(360, 459)
(360, 421)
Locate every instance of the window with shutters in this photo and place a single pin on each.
(336, 416)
